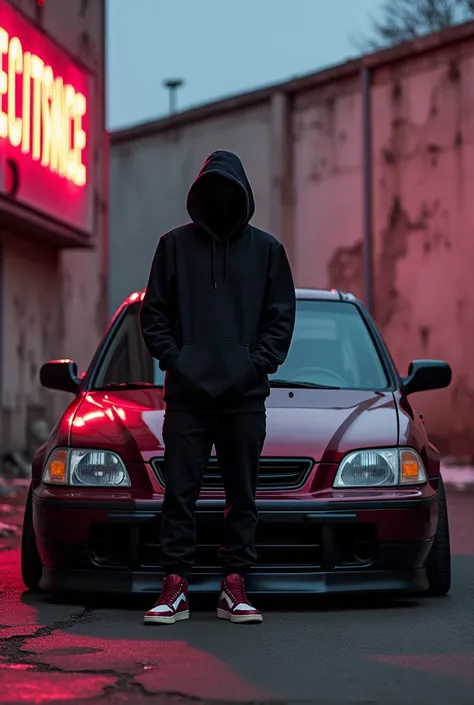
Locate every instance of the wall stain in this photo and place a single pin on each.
(388, 156)
(425, 332)
(397, 92)
(463, 307)
(394, 248)
(345, 269)
(432, 224)
(454, 71)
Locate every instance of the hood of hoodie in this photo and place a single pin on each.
(220, 201)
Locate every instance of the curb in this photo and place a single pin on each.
(458, 476)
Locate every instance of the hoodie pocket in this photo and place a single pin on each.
(216, 369)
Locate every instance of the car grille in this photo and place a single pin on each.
(277, 544)
(274, 473)
(280, 545)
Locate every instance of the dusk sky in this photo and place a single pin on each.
(221, 47)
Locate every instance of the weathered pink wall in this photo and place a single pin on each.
(423, 213)
(423, 156)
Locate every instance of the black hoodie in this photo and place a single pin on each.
(219, 307)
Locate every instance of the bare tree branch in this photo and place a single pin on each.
(403, 20)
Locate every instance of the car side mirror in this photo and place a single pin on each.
(60, 375)
(425, 375)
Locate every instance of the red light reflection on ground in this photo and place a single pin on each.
(16, 617)
(31, 687)
(16, 666)
(158, 665)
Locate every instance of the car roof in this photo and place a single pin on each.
(326, 294)
(314, 294)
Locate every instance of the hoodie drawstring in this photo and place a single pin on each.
(214, 278)
(214, 263)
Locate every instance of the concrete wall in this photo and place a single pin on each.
(54, 302)
(423, 216)
(326, 164)
(31, 325)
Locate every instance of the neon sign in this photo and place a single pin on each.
(45, 117)
(49, 127)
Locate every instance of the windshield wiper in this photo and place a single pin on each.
(127, 385)
(299, 385)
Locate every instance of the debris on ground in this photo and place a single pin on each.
(7, 529)
(15, 464)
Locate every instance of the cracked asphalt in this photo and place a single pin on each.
(317, 651)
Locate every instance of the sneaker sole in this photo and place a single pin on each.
(166, 620)
(239, 618)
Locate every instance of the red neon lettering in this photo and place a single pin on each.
(45, 117)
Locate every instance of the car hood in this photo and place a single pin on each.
(320, 424)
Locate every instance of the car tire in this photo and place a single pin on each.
(31, 566)
(438, 565)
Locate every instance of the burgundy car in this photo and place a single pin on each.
(350, 494)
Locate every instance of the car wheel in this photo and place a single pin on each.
(438, 565)
(31, 566)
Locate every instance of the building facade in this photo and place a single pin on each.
(363, 172)
(53, 200)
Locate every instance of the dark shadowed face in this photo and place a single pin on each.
(222, 204)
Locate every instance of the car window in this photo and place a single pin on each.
(126, 360)
(331, 346)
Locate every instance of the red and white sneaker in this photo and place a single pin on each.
(172, 605)
(234, 604)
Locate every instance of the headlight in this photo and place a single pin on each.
(381, 468)
(86, 468)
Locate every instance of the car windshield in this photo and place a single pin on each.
(331, 347)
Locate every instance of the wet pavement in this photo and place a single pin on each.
(362, 652)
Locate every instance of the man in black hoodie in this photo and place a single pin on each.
(218, 314)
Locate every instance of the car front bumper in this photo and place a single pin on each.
(304, 546)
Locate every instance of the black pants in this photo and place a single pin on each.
(188, 438)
